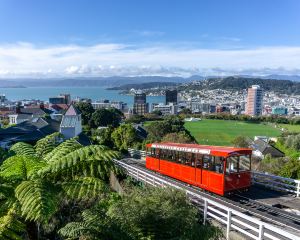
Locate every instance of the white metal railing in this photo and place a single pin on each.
(274, 182)
(277, 183)
(232, 219)
(136, 153)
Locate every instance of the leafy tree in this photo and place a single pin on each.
(105, 117)
(103, 136)
(291, 169)
(165, 214)
(157, 112)
(135, 119)
(240, 141)
(149, 213)
(86, 110)
(171, 124)
(186, 111)
(125, 136)
(180, 137)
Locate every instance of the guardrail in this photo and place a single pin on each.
(277, 183)
(274, 182)
(136, 153)
(232, 219)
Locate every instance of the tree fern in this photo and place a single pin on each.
(20, 167)
(62, 150)
(39, 200)
(84, 188)
(94, 160)
(11, 227)
(92, 226)
(24, 149)
(48, 143)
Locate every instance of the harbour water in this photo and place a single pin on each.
(94, 93)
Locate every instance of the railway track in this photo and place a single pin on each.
(250, 207)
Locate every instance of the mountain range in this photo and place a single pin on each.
(117, 80)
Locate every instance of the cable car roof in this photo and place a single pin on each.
(223, 151)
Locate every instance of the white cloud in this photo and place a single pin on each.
(25, 59)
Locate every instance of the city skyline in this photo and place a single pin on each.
(60, 38)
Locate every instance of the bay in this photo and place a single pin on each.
(94, 93)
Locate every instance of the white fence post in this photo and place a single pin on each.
(298, 189)
(261, 232)
(205, 211)
(228, 224)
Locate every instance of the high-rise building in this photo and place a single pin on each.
(61, 99)
(254, 101)
(171, 96)
(140, 106)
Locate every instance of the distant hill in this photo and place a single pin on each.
(118, 81)
(240, 83)
(142, 86)
(89, 81)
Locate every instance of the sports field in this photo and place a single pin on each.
(222, 132)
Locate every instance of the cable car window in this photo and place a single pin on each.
(157, 153)
(193, 159)
(188, 158)
(198, 159)
(218, 164)
(207, 162)
(152, 154)
(245, 163)
(232, 164)
(179, 157)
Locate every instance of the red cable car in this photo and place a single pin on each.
(220, 170)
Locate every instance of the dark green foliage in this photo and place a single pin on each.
(135, 119)
(125, 137)
(141, 214)
(10, 226)
(103, 136)
(106, 117)
(155, 213)
(180, 137)
(86, 110)
(291, 169)
(171, 124)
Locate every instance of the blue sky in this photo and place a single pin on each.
(53, 38)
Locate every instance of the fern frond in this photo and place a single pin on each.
(74, 230)
(62, 150)
(11, 227)
(39, 200)
(84, 188)
(93, 160)
(20, 167)
(47, 144)
(22, 148)
(91, 226)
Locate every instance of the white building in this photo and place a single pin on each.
(70, 125)
(169, 109)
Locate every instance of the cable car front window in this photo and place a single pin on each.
(245, 163)
(232, 164)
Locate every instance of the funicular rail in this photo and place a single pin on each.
(229, 214)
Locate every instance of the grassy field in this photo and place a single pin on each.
(222, 132)
(288, 127)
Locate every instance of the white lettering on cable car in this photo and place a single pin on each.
(182, 149)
